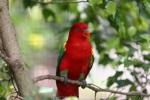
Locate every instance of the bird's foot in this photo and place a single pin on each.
(83, 84)
(65, 79)
(64, 75)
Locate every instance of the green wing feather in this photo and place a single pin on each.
(91, 61)
(90, 64)
(60, 56)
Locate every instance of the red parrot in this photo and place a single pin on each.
(75, 60)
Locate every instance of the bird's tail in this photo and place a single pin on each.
(67, 90)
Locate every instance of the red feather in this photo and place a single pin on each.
(75, 59)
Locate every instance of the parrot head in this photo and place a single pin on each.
(79, 30)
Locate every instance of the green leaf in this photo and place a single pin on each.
(147, 6)
(147, 57)
(122, 83)
(131, 31)
(127, 63)
(131, 49)
(145, 36)
(103, 13)
(135, 97)
(29, 3)
(104, 59)
(5, 88)
(93, 2)
(121, 50)
(122, 30)
(112, 98)
(48, 14)
(2, 98)
(73, 8)
(110, 81)
(114, 21)
(113, 42)
(118, 73)
(132, 9)
(144, 46)
(111, 8)
(132, 88)
(136, 63)
(141, 23)
(113, 79)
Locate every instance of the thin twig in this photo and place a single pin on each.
(137, 79)
(13, 83)
(59, 2)
(90, 86)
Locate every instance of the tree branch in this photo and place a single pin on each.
(13, 56)
(58, 2)
(90, 86)
(5, 58)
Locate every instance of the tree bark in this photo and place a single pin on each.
(9, 43)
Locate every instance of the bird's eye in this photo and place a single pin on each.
(78, 29)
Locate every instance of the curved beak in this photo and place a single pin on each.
(86, 35)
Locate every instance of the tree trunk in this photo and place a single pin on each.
(10, 45)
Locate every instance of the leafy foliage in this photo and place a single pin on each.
(5, 82)
(121, 26)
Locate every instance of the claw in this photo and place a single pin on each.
(83, 84)
(64, 75)
(65, 79)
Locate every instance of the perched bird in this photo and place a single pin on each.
(75, 60)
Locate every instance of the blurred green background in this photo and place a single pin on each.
(120, 38)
